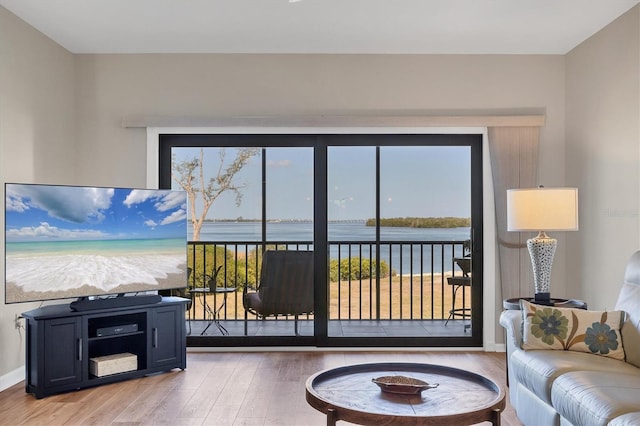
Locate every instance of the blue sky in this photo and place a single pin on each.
(415, 181)
(72, 213)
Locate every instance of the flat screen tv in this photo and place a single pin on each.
(89, 242)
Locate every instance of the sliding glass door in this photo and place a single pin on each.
(392, 223)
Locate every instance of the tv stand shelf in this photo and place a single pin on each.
(61, 343)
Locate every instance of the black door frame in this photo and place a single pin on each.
(320, 144)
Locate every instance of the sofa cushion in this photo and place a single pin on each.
(629, 301)
(537, 369)
(629, 419)
(549, 327)
(531, 409)
(595, 397)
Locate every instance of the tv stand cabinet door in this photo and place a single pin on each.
(168, 337)
(55, 348)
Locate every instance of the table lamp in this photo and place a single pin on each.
(542, 209)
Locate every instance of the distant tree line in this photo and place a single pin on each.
(423, 222)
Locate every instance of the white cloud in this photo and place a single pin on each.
(46, 231)
(150, 223)
(164, 200)
(176, 216)
(68, 203)
(138, 196)
(15, 204)
(170, 201)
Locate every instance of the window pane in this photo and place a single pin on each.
(351, 201)
(352, 190)
(425, 206)
(425, 195)
(230, 205)
(289, 194)
(427, 181)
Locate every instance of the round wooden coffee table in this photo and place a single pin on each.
(461, 398)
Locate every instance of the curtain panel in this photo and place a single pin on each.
(514, 163)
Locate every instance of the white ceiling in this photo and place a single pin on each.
(319, 26)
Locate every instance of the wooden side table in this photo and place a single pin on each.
(461, 398)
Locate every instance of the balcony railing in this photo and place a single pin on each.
(387, 280)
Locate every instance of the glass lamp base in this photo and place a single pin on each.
(542, 248)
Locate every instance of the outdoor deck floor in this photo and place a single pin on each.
(337, 328)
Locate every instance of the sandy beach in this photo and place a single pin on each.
(15, 294)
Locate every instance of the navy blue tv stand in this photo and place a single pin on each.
(61, 342)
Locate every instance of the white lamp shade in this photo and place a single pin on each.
(542, 209)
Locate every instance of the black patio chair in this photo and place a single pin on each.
(285, 286)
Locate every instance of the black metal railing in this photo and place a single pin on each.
(368, 280)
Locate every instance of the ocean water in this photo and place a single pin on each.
(106, 265)
(405, 259)
(338, 231)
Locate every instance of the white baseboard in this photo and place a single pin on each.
(12, 378)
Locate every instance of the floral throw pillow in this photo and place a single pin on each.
(548, 327)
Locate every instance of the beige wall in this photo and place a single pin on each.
(114, 86)
(603, 152)
(37, 132)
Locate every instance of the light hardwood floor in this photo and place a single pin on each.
(231, 388)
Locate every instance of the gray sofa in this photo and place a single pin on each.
(562, 387)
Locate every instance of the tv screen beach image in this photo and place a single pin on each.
(72, 241)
